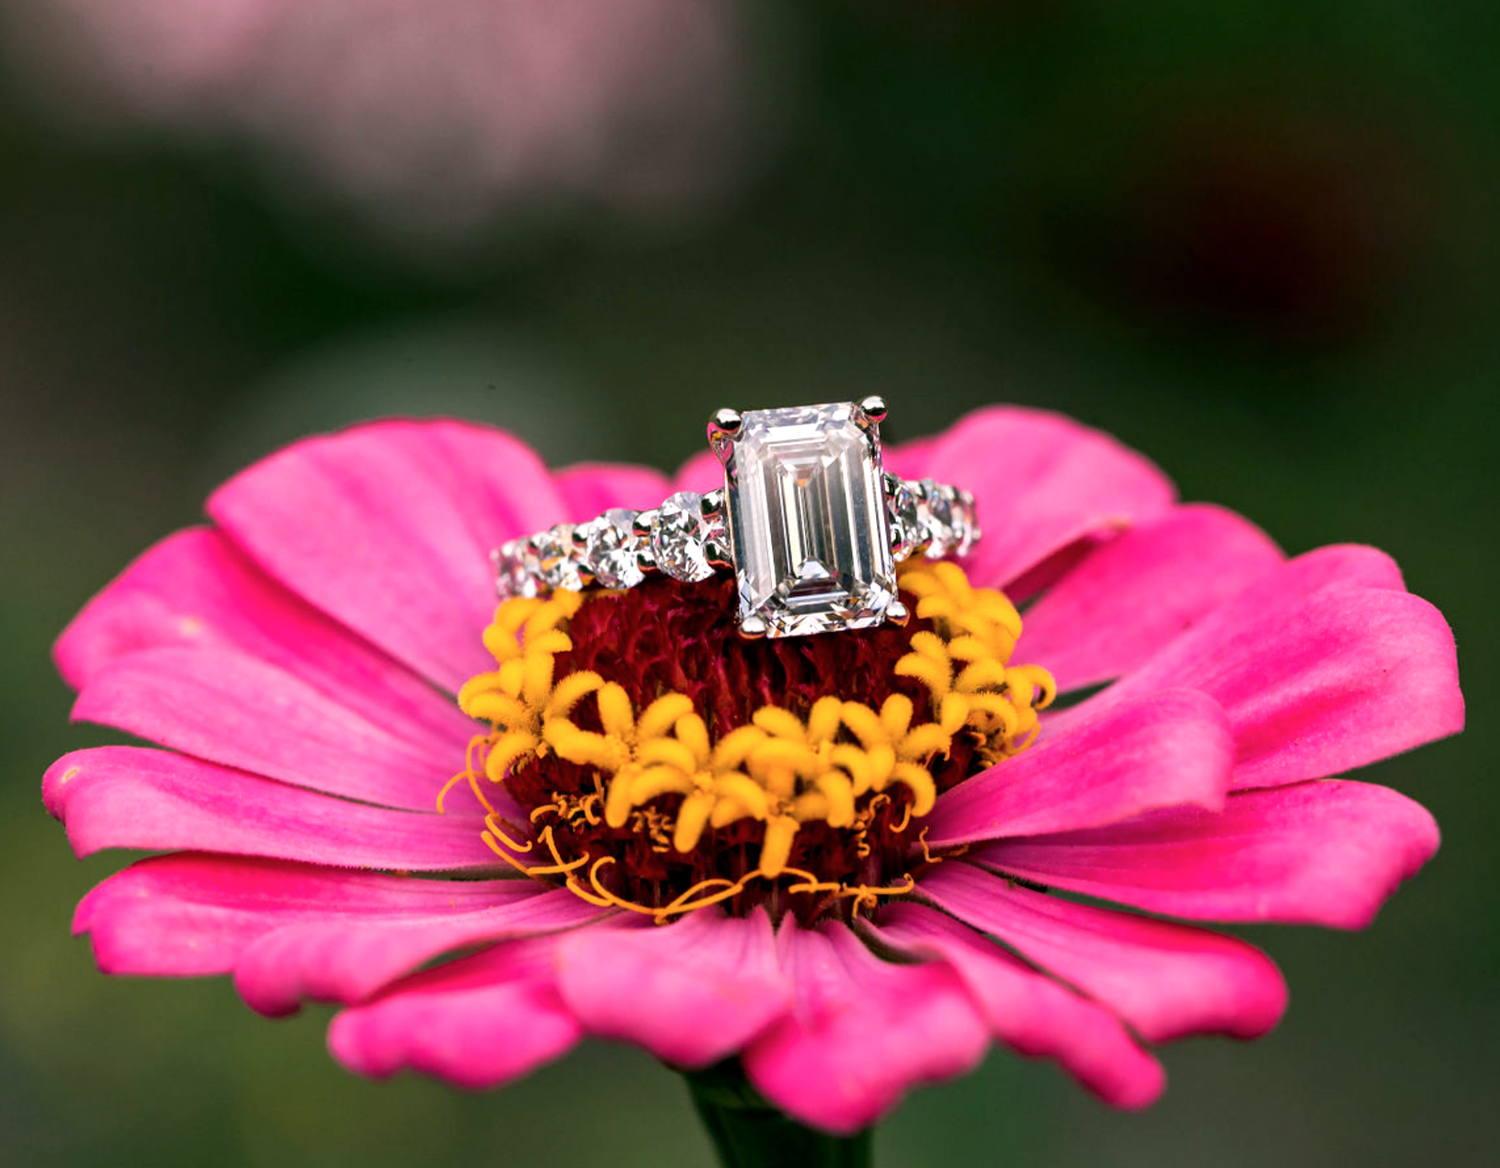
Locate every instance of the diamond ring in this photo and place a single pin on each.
(807, 520)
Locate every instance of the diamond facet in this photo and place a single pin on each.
(680, 534)
(944, 519)
(611, 549)
(517, 570)
(806, 498)
(965, 523)
(906, 512)
(560, 562)
(940, 518)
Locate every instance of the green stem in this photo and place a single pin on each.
(749, 1133)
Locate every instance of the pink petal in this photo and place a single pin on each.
(1338, 567)
(861, 1031)
(196, 590)
(590, 489)
(231, 709)
(910, 459)
(348, 960)
(126, 797)
(388, 527)
(702, 472)
(1042, 482)
(1047, 572)
(1320, 853)
(1133, 594)
(1329, 682)
(1163, 751)
(1322, 569)
(1029, 1012)
(692, 993)
(1166, 980)
(477, 1022)
(188, 914)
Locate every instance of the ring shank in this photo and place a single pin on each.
(687, 538)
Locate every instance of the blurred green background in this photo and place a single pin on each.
(1254, 238)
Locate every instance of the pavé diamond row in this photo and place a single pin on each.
(808, 521)
(687, 538)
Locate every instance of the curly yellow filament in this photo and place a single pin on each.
(835, 766)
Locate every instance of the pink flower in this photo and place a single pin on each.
(437, 112)
(296, 661)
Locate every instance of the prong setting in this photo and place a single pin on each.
(722, 428)
(753, 628)
(807, 520)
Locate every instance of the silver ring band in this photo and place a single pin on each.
(688, 539)
(807, 519)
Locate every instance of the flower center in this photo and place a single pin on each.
(665, 763)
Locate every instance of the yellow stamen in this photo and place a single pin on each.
(663, 772)
(777, 848)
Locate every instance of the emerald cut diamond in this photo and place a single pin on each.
(807, 511)
(807, 519)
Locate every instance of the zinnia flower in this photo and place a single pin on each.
(848, 860)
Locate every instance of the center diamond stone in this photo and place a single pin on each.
(807, 512)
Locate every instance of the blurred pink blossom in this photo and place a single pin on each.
(439, 113)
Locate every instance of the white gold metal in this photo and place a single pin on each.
(722, 428)
(807, 521)
(752, 628)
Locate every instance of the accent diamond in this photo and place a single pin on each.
(806, 496)
(517, 570)
(560, 562)
(906, 512)
(680, 535)
(965, 522)
(611, 549)
(940, 529)
(948, 517)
